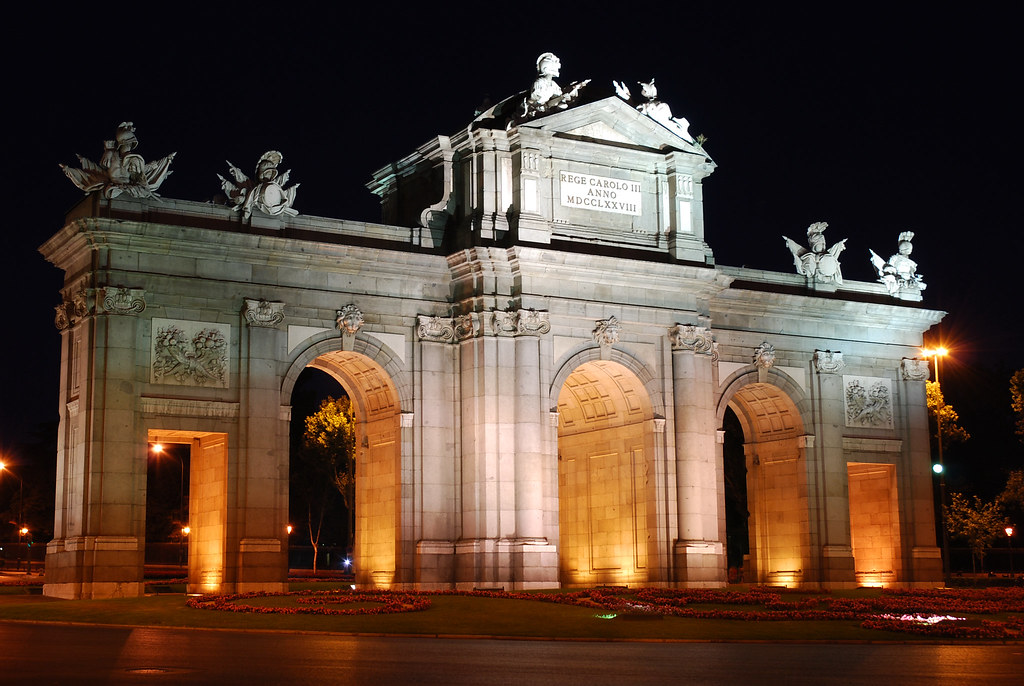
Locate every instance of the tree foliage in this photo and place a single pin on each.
(1012, 497)
(976, 521)
(330, 440)
(1017, 400)
(944, 416)
(329, 446)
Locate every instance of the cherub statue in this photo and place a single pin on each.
(266, 192)
(900, 272)
(817, 263)
(546, 94)
(120, 170)
(660, 111)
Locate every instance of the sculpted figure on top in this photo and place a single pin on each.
(546, 94)
(120, 170)
(266, 192)
(817, 263)
(900, 272)
(661, 112)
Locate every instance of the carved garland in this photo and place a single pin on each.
(199, 361)
(868, 402)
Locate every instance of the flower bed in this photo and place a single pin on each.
(314, 602)
(910, 611)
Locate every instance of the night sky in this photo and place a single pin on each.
(873, 120)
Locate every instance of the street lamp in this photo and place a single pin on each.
(22, 529)
(1009, 542)
(938, 353)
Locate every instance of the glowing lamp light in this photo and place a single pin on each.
(1009, 531)
(938, 468)
(348, 563)
(158, 448)
(186, 530)
(289, 528)
(24, 530)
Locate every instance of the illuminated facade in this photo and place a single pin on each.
(541, 354)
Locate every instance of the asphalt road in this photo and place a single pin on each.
(41, 654)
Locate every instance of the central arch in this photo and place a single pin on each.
(605, 493)
(377, 405)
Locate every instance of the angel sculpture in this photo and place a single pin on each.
(817, 263)
(546, 94)
(266, 192)
(120, 170)
(660, 111)
(900, 272)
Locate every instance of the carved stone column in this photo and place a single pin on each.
(97, 550)
(435, 509)
(824, 460)
(925, 558)
(699, 551)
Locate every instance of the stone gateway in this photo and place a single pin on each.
(543, 388)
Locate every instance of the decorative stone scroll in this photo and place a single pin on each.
(119, 300)
(519, 322)
(120, 170)
(914, 369)
(607, 332)
(691, 337)
(60, 319)
(764, 356)
(533, 323)
(466, 326)
(349, 320)
(504, 323)
(435, 329)
(186, 353)
(81, 303)
(263, 313)
(828, 361)
(73, 310)
(868, 402)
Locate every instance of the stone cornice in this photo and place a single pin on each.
(92, 233)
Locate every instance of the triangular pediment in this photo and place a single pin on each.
(614, 121)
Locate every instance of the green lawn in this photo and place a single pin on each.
(448, 615)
